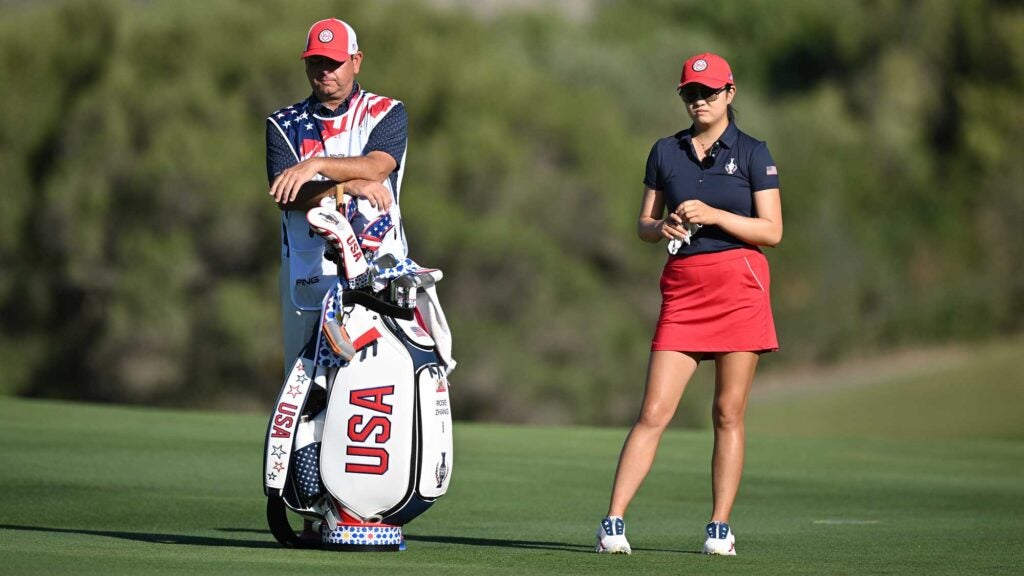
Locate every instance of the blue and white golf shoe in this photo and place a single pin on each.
(611, 536)
(720, 539)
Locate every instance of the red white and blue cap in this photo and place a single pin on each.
(332, 39)
(708, 69)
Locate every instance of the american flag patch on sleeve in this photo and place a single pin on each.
(771, 171)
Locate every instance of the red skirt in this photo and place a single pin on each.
(717, 302)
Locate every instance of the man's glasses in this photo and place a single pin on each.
(691, 94)
(329, 64)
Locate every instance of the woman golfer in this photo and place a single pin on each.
(713, 193)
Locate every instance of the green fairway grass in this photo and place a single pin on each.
(107, 490)
(955, 393)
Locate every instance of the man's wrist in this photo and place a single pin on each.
(317, 163)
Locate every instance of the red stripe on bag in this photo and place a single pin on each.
(420, 320)
(369, 336)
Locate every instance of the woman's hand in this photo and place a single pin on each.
(672, 228)
(697, 212)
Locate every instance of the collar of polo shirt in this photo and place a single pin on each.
(320, 110)
(728, 138)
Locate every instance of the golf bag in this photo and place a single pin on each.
(360, 438)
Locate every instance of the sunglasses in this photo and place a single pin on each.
(317, 62)
(708, 162)
(691, 94)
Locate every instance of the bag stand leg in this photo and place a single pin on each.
(277, 519)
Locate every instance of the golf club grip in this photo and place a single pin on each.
(377, 305)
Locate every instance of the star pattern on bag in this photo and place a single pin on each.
(307, 471)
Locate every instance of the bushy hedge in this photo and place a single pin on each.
(139, 248)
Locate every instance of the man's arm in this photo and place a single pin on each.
(361, 176)
(279, 153)
(311, 193)
(375, 166)
(391, 134)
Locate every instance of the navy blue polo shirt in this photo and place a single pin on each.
(742, 166)
(389, 136)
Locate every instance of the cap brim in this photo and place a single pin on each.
(709, 82)
(332, 54)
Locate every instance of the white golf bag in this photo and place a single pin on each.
(360, 438)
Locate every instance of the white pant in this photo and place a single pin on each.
(297, 324)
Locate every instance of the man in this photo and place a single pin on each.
(340, 134)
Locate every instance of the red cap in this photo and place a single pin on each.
(331, 38)
(708, 69)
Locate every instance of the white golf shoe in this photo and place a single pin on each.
(611, 537)
(720, 539)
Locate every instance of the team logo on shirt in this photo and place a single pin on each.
(730, 168)
(700, 65)
(325, 36)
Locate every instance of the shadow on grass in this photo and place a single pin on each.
(496, 543)
(463, 541)
(152, 538)
(222, 542)
(563, 546)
